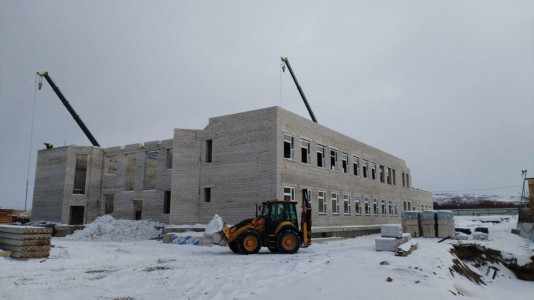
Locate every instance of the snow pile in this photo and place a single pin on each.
(107, 228)
(215, 225)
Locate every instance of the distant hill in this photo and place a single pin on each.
(450, 200)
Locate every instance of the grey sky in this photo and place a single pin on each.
(447, 86)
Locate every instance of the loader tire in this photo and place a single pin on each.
(250, 242)
(288, 242)
(234, 246)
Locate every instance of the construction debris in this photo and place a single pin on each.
(25, 241)
(406, 249)
(487, 259)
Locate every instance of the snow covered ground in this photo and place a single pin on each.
(344, 269)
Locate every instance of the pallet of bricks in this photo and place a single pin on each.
(445, 222)
(25, 241)
(411, 223)
(428, 223)
(6, 216)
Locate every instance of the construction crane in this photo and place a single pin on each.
(69, 108)
(286, 61)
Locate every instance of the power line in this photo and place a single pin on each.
(486, 189)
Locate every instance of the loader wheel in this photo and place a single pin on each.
(288, 242)
(250, 242)
(234, 246)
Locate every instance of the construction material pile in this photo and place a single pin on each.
(445, 221)
(107, 228)
(6, 216)
(391, 237)
(25, 241)
(411, 222)
(428, 223)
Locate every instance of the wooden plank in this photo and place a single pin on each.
(41, 242)
(16, 236)
(4, 253)
(25, 248)
(24, 229)
(17, 254)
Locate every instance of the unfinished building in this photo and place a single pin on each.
(234, 162)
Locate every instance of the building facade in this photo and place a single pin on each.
(234, 162)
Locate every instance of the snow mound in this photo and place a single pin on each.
(107, 228)
(215, 225)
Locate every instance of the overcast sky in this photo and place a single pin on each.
(448, 86)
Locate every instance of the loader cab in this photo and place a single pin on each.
(276, 212)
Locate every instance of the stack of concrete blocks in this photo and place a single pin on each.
(411, 223)
(445, 221)
(428, 223)
(6, 216)
(391, 237)
(25, 241)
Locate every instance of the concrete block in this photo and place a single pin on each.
(391, 230)
(387, 244)
(16, 236)
(406, 237)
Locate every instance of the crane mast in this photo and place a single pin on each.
(69, 108)
(286, 61)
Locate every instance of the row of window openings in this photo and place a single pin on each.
(386, 175)
(110, 204)
(387, 207)
(111, 160)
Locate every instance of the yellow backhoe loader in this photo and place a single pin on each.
(276, 228)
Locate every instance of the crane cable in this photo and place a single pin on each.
(31, 140)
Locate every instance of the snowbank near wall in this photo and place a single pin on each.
(107, 228)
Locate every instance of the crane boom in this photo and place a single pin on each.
(286, 61)
(69, 108)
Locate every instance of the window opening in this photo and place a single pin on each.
(367, 207)
(168, 162)
(345, 163)
(80, 174)
(209, 150)
(207, 194)
(111, 165)
(289, 146)
(130, 160)
(346, 204)
(356, 165)
(357, 205)
(305, 152)
(321, 200)
(333, 160)
(151, 168)
(289, 193)
(320, 156)
(166, 202)
(335, 203)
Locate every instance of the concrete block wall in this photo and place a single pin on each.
(152, 200)
(91, 198)
(243, 167)
(49, 185)
(294, 173)
(185, 176)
